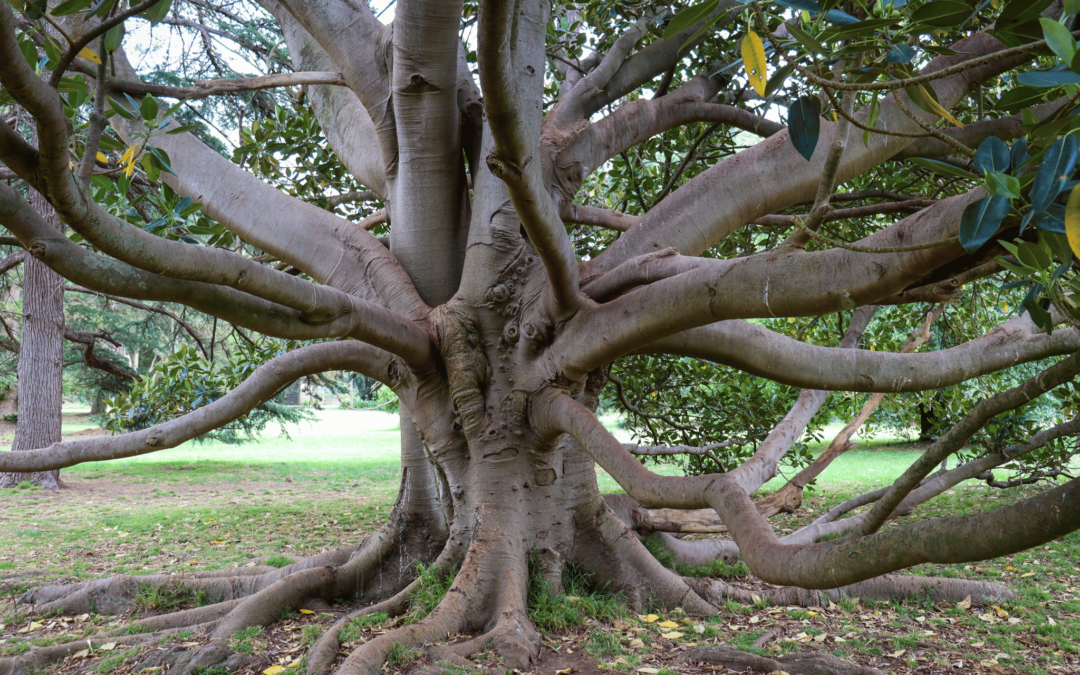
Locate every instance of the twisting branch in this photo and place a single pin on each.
(146, 308)
(261, 386)
(205, 88)
(910, 248)
(516, 158)
(591, 215)
(88, 342)
(757, 350)
(12, 261)
(789, 497)
(1061, 372)
(853, 212)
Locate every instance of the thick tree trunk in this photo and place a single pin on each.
(41, 361)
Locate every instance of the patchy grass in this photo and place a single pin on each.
(211, 506)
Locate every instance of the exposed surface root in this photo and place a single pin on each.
(886, 588)
(118, 594)
(609, 549)
(321, 656)
(32, 661)
(808, 663)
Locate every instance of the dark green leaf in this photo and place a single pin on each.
(808, 5)
(992, 155)
(1056, 169)
(113, 38)
(1019, 98)
(686, 18)
(806, 40)
(149, 108)
(942, 168)
(900, 53)
(1048, 78)
(942, 13)
(981, 221)
(70, 7)
(157, 12)
(804, 125)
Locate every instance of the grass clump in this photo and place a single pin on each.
(717, 569)
(216, 670)
(242, 641)
(400, 655)
(112, 663)
(351, 631)
(169, 598)
(432, 587)
(279, 560)
(580, 600)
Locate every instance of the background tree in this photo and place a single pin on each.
(498, 318)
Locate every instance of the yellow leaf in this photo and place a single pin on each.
(650, 618)
(102, 158)
(273, 670)
(129, 169)
(668, 624)
(565, 671)
(126, 157)
(964, 604)
(938, 109)
(1010, 567)
(1025, 575)
(108, 647)
(673, 635)
(293, 664)
(1072, 221)
(90, 55)
(753, 55)
(306, 611)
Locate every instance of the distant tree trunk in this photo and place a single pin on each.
(41, 361)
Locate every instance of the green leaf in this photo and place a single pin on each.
(185, 128)
(70, 7)
(688, 17)
(804, 125)
(778, 78)
(1056, 169)
(1048, 78)
(149, 108)
(1021, 11)
(942, 168)
(113, 38)
(1059, 39)
(1003, 184)
(981, 221)
(120, 110)
(992, 155)
(806, 40)
(1018, 98)
(942, 13)
(157, 12)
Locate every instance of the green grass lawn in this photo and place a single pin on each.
(210, 505)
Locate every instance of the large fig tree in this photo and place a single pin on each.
(492, 136)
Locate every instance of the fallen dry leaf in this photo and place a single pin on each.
(649, 618)
(668, 625)
(673, 635)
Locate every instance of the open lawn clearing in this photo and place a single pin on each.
(207, 506)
